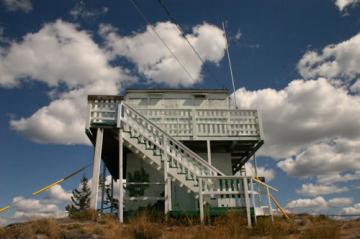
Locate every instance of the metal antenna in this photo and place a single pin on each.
(230, 67)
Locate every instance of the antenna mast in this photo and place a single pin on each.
(230, 67)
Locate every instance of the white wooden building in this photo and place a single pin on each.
(192, 144)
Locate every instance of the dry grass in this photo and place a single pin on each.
(145, 226)
(321, 227)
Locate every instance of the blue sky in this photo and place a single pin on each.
(296, 61)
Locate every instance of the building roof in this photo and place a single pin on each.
(173, 90)
(105, 97)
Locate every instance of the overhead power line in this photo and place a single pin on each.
(43, 189)
(137, 8)
(178, 27)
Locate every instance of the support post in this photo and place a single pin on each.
(103, 178)
(112, 195)
(96, 168)
(269, 204)
(121, 176)
(208, 145)
(247, 201)
(201, 201)
(253, 198)
(166, 177)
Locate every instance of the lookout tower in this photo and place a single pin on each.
(188, 145)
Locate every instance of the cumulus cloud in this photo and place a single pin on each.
(309, 110)
(334, 61)
(337, 177)
(27, 209)
(268, 173)
(342, 4)
(354, 210)
(325, 158)
(81, 11)
(58, 193)
(340, 202)
(315, 203)
(59, 54)
(320, 189)
(156, 63)
(318, 204)
(22, 5)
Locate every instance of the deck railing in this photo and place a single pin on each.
(245, 191)
(186, 122)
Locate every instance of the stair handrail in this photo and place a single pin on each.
(198, 158)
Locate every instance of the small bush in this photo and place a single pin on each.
(84, 215)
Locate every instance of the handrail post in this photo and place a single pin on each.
(166, 177)
(269, 204)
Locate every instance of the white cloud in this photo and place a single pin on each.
(354, 210)
(80, 11)
(309, 111)
(58, 193)
(340, 202)
(268, 173)
(340, 60)
(59, 54)
(342, 4)
(13, 5)
(3, 221)
(317, 203)
(337, 177)
(325, 158)
(320, 189)
(27, 209)
(153, 59)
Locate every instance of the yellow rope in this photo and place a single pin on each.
(47, 187)
(5, 208)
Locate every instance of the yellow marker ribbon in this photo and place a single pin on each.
(5, 208)
(47, 187)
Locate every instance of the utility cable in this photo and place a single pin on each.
(43, 189)
(178, 27)
(160, 38)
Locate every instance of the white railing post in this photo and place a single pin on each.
(247, 201)
(269, 204)
(201, 201)
(253, 197)
(194, 130)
